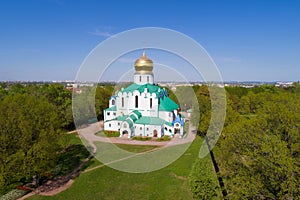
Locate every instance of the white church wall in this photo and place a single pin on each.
(147, 130)
(122, 105)
(150, 130)
(168, 130)
(111, 126)
(109, 115)
(142, 79)
(166, 115)
(139, 130)
(112, 102)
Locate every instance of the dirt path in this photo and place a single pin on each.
(49, 193)
(58, 184)
(46, 192)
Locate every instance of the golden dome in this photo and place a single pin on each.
(143, 64)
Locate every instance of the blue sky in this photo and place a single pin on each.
(248, 40)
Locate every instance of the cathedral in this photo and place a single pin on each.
(143, 108)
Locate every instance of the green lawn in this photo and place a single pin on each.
(136, 148)
(108, 133)
(107, 183)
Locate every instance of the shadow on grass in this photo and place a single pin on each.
(71, 158)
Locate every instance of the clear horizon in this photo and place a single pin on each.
(48, 40)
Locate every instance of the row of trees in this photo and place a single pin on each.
(258, 152)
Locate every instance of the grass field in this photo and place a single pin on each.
(136, 148)
(107, 183)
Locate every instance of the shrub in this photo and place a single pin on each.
(141, 138)
(202, 182)
(108, 133)
(164, 138)
(13, 194)
(112, 133)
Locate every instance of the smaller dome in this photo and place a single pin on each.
(143, 64)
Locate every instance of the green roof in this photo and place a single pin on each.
(133, 117)
(150, 121)
(129, 122)
(113, 108)
(167, 104)
(137, 113)
(168, 123)
(150, 87)
(121, 118)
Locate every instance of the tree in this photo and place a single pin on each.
(29, 138)
(204, 110)
(102, 96)
(201, 180)
(61, 99)
(258, 155)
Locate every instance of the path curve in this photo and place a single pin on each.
(88, 134)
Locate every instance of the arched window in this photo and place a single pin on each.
(148, 79)
(122, 101)
(140, 78)
(136, 101)
(150, 102)
(113, 102)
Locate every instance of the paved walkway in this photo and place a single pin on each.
(88, 134)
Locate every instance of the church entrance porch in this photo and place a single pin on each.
(155, 133)
(125, 134)
(176, 130)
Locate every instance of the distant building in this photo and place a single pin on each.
(143, 108)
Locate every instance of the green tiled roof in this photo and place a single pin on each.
(168, 123)
(167, 104)
(129, 122)
(137, 113)
(121, 118)
(113, 108)
(151, 88)
(133, 117)
(150, 121)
